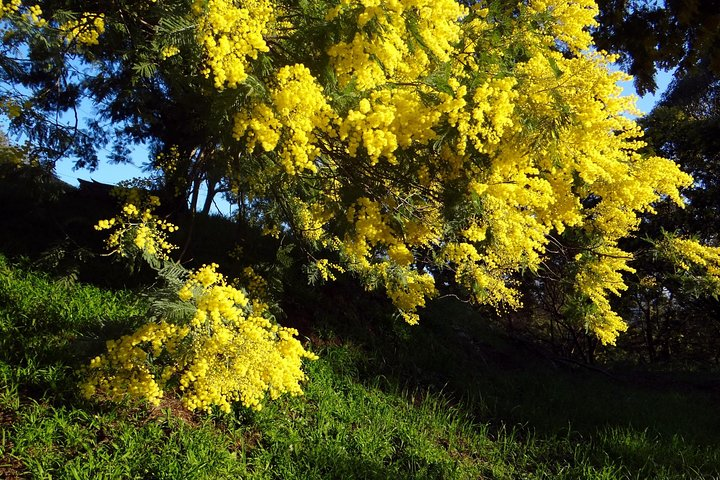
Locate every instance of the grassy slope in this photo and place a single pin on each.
(447, 399)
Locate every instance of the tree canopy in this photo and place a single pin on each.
(419, 145)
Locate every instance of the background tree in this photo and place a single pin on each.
(679, 309)
(651, 35)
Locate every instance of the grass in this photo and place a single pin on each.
(451, 398)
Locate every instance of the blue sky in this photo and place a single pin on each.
(647, 102)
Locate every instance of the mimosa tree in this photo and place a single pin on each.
(397, 140)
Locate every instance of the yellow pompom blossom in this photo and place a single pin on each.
(231, 34)
(125, 370)
(370, 229)
(169, 51)
(490, 114)
(569, 23)
(531, 141)
(310, 220)
(325, 269)
(487, 280)
(693, 253)
(34, 14)
(229, 351)
(255, 284)
(6, 8)
(86, 30)
(408, 291)
(405, 286)
(135, 230)
(297, 113)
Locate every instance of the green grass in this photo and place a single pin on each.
(450, 398)
(50, 326)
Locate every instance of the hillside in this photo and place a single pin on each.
(451, 398)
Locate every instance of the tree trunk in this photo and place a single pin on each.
(212, 191)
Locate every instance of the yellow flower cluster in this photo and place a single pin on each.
(691, 253)
(488, 285)
(125, 370)
(231, 35)
(34, 15)
(487, 117)
(408, 291)
(169, 51)
(135, 231)
(425, 228)
(6, 8)
(533, 179)
(240, 355)
(600, 273)
(255, 284)
(405, 286)
(228, 352)
(167, 161)
(536, 146)
(385, 49)
(297, 113)
(691, 257)
(311, 219)
(86, 30)
(325, 269)
(371, 229)
(389, 119)
(595, 156)
(570, 22)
